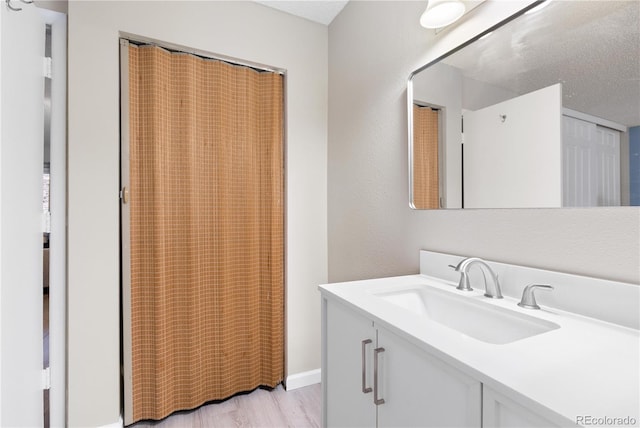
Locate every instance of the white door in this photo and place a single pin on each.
(608, 169)
(21, 163)
(500, 411)
(578, 159)
(513, 152)
(591, 164)
(350, 340)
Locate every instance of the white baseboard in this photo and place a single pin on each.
(303, 379)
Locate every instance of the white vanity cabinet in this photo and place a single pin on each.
(452, 358)
(413, 387)
(345, 334)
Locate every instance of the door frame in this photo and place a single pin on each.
(26, 393)
(58, 234)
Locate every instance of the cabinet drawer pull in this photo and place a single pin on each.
(377, 401)
(365, 388)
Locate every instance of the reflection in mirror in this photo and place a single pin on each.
(550, 103)
(426, 138)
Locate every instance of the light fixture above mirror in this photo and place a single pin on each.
(440, 13)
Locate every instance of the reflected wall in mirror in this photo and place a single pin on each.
(542, 112)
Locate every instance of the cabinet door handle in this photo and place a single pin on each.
(377, 401)
(365, 388)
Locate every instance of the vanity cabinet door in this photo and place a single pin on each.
(419, 390)
(500, 411)
(414, 389)
(345, 404)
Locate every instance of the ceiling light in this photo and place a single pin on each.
(440, 13)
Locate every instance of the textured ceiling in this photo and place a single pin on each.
(321, 11)
(591, 47)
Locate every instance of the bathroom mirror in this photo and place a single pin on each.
(543, 111)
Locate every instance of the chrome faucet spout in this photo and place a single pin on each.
(463, 267)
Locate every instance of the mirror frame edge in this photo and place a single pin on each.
(410, 136)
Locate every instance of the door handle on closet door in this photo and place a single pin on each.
(124, 195)
(365, 388)
(377, 401)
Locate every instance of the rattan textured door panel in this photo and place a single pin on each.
(426, 182)
(206, 219)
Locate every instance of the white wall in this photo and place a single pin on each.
(477, 95)
(238, 29)
(373, 47)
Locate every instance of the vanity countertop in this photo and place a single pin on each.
(587, 367)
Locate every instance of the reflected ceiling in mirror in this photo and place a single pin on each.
(579, 146)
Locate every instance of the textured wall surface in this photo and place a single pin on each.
(373, 47)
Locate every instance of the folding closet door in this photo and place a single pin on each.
(203, 230)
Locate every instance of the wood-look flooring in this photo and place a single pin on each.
(299, 408)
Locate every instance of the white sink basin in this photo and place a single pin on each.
(468, 316)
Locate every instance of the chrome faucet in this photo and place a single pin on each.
(464, 284)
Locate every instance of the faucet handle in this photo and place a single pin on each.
(529, 299)
(459, 265)
(463, 284)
